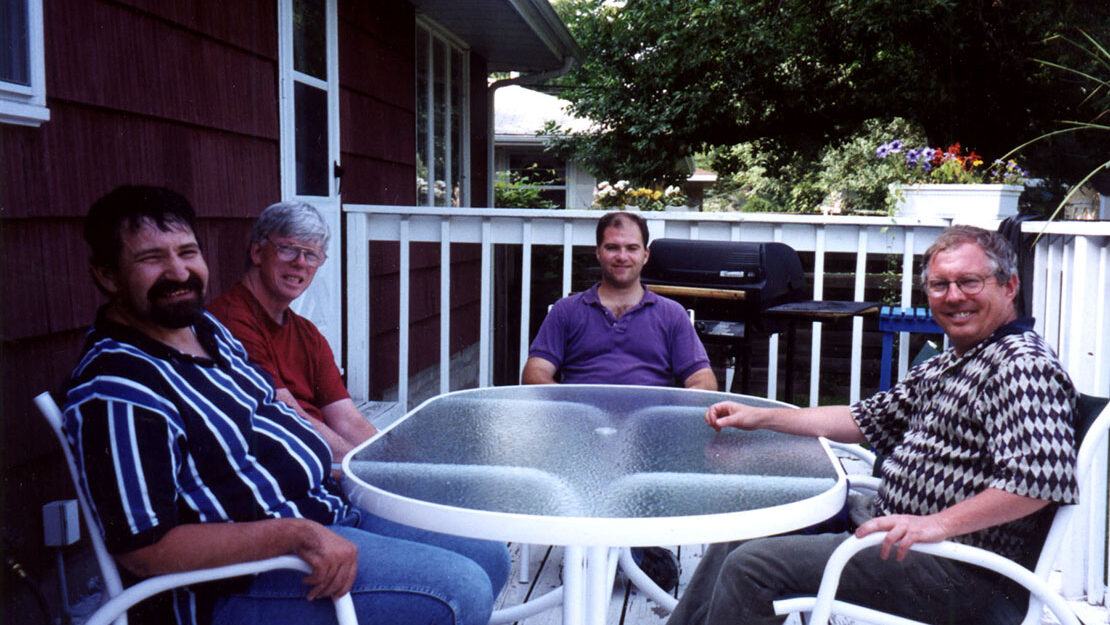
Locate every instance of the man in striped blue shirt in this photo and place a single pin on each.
(191, 461)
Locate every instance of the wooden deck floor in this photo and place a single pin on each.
(626, 607)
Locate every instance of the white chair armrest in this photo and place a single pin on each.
(830, 580)
(798, 605)
(864, 483)
(855, 451)
(344, 607)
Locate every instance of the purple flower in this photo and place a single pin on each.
(887, 149)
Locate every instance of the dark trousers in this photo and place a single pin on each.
(735, 584)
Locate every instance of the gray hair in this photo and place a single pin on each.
(998, 250)
(296, 220)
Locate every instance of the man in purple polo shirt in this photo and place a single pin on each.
(618, 332)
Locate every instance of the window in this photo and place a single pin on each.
(534, 168)
(22, 77)
(442, 120)
(309, 106)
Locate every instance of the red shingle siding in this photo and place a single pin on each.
(136, 62)
(181, 94)
(184, 94)
(479, 131)
(377, 102)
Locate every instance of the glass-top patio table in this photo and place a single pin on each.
(592, 468)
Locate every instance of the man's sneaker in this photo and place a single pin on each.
(658, 564)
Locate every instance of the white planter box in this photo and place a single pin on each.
(977, 204)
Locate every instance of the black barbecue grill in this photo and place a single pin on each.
(729, 286)
(726, 280)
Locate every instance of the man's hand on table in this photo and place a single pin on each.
(903, 530)
(832, 422)
(733, 415)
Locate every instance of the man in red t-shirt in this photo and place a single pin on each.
(287, 247)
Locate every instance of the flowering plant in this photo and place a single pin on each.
(622, 193)
(950, 166)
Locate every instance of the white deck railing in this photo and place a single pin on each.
(1070, 294)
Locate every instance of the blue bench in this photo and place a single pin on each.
(894, 319)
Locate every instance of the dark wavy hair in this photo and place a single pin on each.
(131, 206)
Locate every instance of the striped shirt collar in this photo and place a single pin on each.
(204, 329)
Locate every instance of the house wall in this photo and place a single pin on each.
(378, 105)
(184, 95)
(139, 92)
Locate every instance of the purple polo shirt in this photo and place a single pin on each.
(653, 344)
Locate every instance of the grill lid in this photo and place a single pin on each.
(772, 270)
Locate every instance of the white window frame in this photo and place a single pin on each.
(289, 77)
(453, 44)
(321, 303)
(25, 105)
(507, 150)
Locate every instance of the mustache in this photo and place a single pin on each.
(164, 287)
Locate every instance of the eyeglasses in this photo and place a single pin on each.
(290, 253)
(968, 285)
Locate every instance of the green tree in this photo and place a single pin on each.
(666, 78)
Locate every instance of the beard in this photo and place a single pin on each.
(179, 314)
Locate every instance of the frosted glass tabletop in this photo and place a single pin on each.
(586, 452)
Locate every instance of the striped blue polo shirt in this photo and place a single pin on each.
(164, 438)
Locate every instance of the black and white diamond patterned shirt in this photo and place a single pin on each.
(999, 416)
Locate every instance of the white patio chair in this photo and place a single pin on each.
(1093, 421)
(865, 483)
(120, 599)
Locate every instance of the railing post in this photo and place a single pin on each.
(445, 305)
(857, 321)
(907, 301)
(357, 323)
(485, 323)
(525, 290)
(773, 340)
(568, 257)
(818, 293)
(405, 295)
(1039, 286)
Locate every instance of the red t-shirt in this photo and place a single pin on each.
(295, 354)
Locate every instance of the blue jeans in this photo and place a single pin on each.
(405, 575)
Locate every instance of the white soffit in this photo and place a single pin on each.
(512, 35)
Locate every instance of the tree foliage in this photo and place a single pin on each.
(665, 78)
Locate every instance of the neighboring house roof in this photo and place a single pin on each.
(512, 35)
(519, 113)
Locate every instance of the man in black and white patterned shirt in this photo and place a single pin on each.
(979, 448)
